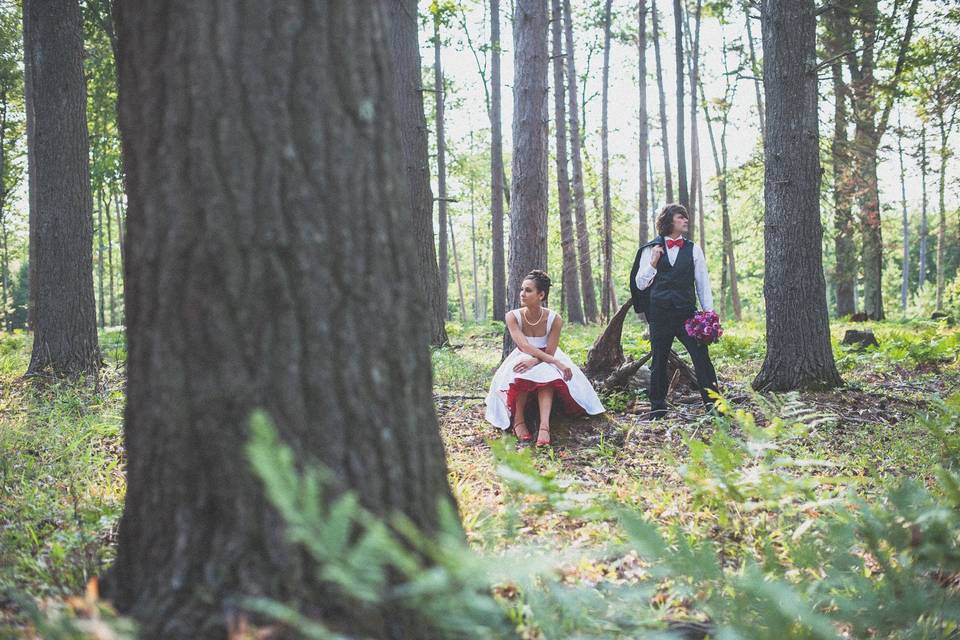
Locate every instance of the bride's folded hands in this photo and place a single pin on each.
(526, 365)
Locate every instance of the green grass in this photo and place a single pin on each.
(62, 485)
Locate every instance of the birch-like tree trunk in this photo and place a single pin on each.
(643, 146)
(664, 133)
(682, 187)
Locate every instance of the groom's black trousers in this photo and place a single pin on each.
(665, 325)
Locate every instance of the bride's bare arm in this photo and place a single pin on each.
(524, 345)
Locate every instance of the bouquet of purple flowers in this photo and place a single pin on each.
(704, 327)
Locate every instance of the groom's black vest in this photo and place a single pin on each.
(674, 288)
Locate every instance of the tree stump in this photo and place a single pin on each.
(609, 369)
(860, 339)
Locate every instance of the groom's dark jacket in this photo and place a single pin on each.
(641, 298)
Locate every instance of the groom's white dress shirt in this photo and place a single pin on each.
(700, 277)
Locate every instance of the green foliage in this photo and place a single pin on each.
(837, 564)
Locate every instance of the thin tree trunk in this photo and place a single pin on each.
(473, 246)
(120, 234)
(571, 290)
(696, 186)
(607, 306)
(643, 146)
(113, 307)
(846, 268)
(869, 133)
(497, 180)
(664, 134)
(576, 165)
(720, 166)
(5, 266)
(905, 261)
(409, 101)
(438, 91)
(102, 297)
(345, 387)
(942, 228)
(682, 186)
(528, 191)
(6, 269)
(653, 195)
(924, 231)
(61, 212)
(799, 354)
(755, 68)
(456, 270)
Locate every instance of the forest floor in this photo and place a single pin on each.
(62, 485)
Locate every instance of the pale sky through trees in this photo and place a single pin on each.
(465, 106)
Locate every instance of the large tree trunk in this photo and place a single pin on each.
(576, 166)
(643, 146)
(264, 204)
(528, 189)
(684, 193)
(571, 286)
(664, 133)
(408, 96)
(924, 231)
(496, 168)
(438, 93)
(606, 307)
(61, 211)
(798, 326)
(905, 222)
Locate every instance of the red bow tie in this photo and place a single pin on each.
(674, 243)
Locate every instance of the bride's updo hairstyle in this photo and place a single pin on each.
(541, 281)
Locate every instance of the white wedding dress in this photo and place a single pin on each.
(576, 396)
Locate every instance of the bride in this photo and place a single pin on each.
(537, 367)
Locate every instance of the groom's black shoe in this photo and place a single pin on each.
(657, 412)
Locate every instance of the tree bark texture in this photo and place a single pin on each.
(664, 133)
(696, 178)
(576, 166)
(571, 285)
(798, 326)
(905, 223)
(682, 187)
(924, 231)
(497, 182)
(643, 146)
(61, 212)
(408, 94)
(942, 227)
(847, 266)
(871, 113)
(438, 93)
(755, 68)
(528, 188)
(264, 171)
(607, 286)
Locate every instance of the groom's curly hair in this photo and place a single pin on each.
(665, 218)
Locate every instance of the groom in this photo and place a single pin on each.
(667, 273)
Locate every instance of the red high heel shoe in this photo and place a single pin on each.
(526, 438)
(541, 441)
